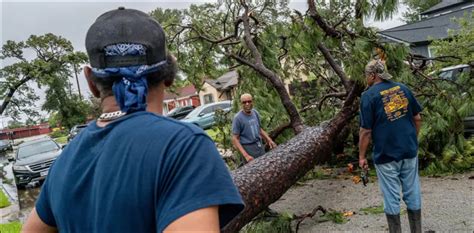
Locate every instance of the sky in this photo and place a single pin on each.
(71, 19)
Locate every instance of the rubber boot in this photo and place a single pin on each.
(414, 217)
(394, 225)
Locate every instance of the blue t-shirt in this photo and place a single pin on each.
(137, 174)
(388, 108)
(247, 127)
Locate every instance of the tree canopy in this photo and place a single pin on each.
(53, 62)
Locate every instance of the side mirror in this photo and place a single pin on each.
(62, 146)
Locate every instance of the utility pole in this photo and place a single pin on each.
(77, 81)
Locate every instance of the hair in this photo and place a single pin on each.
(166, 73)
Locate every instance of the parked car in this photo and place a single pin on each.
(180, 112)
(33, 160)
(75, 130)
(203, 116)
(452, 73)
(5, 145)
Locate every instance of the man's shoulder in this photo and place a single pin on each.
(160, 124)
(238, 115)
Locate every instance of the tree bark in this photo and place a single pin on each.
(264, 180)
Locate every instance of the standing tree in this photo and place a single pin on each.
(53, 63)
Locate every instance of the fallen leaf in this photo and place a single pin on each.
(348, 213)
(350, 167)
(356, 179)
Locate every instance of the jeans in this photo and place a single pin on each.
(394, 174)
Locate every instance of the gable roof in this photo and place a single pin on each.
(442, 5)
(181, 92)
(225, 81)
(425, 30)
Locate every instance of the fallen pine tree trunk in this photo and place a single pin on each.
(264, 180)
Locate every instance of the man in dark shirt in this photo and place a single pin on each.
(390, 116)
(133, 170)
(247, 132)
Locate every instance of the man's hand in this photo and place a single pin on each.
(248, 158)
(272, 144)
(363, 164)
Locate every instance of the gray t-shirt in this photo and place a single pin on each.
(247, 127)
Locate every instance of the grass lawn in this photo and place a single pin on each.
(11, 227)
(3, 201)
(61, 140)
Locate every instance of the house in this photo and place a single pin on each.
(434, 24)
(220, 89)
(184, 96)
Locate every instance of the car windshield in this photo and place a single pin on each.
(174, 110)
(36, 148)
(3, 143)
(195, 112)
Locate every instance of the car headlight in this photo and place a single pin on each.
(20, 168)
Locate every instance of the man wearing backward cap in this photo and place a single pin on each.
(390, 117)
(133, 170)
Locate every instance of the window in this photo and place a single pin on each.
(223, 106)
(209, 98)
(208, 110)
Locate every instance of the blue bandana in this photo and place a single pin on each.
(131, 90)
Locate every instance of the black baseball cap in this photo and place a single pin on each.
(125, 26)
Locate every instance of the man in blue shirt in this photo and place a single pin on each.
(247, 132)
(133, 170)
(390, 116)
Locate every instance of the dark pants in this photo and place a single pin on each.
(255, 149)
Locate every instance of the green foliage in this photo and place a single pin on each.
(13, 124)
(11, 227)
(58, 133)
(4, 202)
(70, 110)
(334, 216)
(454, 158)
(271, 224)
(460, 43)
(51, 67)
(373, 210)
(415, 7)
(446, 103)
(223, 124)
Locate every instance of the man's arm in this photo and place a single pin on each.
(417, 120)
(35, 224)
(202, 220)
(364, 140)
(239, 147)
(267, 139)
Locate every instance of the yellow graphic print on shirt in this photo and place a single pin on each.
(395, 103)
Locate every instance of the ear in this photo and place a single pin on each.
(92, 87)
